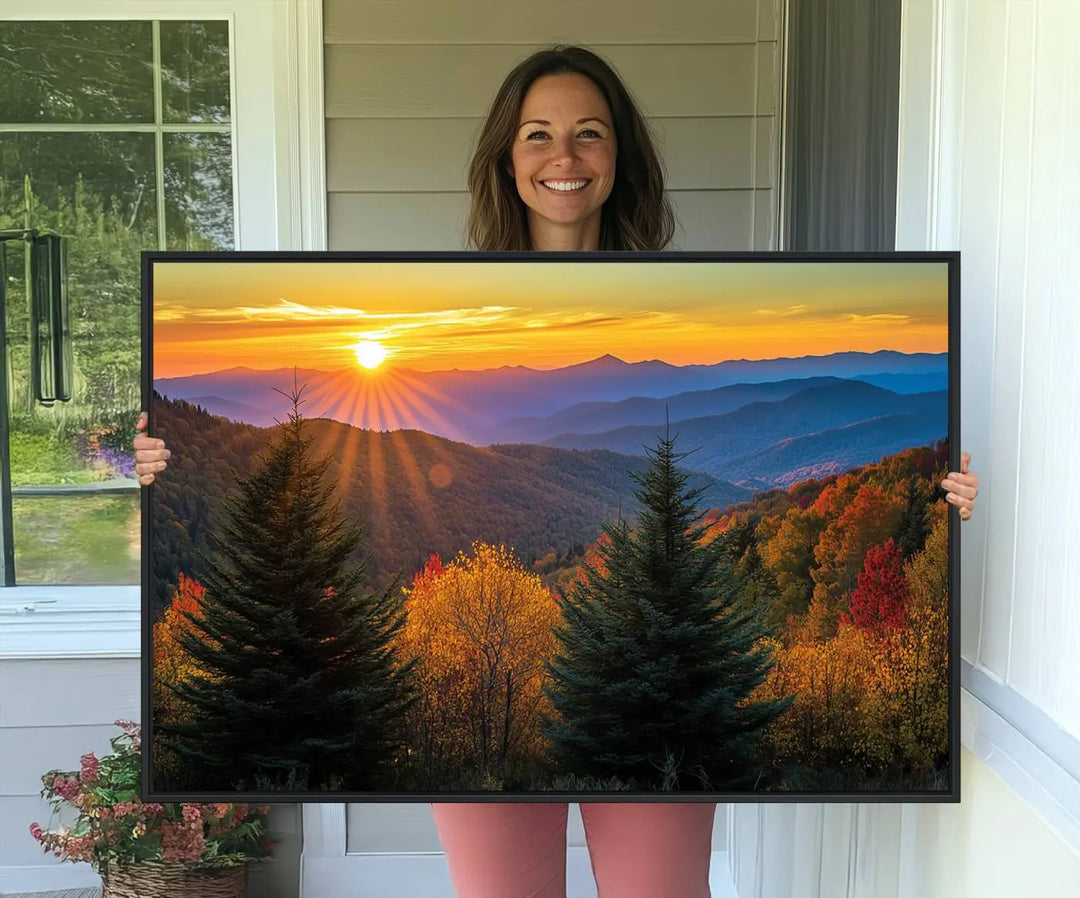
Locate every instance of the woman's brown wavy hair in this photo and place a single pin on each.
(637, 214)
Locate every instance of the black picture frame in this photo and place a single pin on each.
(950, 793)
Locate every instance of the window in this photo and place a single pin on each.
(117, 135)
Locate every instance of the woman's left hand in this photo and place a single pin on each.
(962, 487)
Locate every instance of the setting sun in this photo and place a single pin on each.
(370, 353)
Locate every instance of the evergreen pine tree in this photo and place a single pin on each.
(302, 688)
(745, 582)
(915, 524)
(655, 664)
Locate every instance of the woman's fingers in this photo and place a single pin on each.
(961, 487)
(964, 485)
(150, 453)
(145, 442)
(964, 505)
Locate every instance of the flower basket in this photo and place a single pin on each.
(147, 879)
(146, 849)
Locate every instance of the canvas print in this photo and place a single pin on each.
(450, 525)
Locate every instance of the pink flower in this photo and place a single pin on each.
(35, 831)
(153, 809)
(65, 788)
(180, 842)
(192, 813)
(89, 767)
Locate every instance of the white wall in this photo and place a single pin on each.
(992, 844)
(989, 150)
(51, 713)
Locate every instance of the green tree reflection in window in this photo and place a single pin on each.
(119, 136)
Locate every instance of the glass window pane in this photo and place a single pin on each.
(195, 71)
(99, 191)
(80, 177)
(198, 192)
(98, 72)
(82, 539)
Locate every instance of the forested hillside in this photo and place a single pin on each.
(416, 494)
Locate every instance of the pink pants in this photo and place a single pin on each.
(519, 850)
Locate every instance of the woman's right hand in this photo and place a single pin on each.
(150, 453)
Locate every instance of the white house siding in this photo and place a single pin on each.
(51, 712)
(989, 137)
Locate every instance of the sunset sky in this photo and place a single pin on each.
(431, 316)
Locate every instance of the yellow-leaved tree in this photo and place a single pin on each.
(481, 627)
(915, 708)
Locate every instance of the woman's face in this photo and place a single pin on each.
(563, 157)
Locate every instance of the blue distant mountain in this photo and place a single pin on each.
(833, 451)
(595, 417)
(928, 382)
(476, 406)
(719, 441)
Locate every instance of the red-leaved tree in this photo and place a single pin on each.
(879, 601)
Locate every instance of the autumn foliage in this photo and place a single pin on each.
(845, 576)
(879, 601)
(172, 665)
(482, 629)
(868, 659)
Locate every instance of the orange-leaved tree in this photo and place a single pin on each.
(481, 627)
(916, 661)
(171, 664)
(872, 516)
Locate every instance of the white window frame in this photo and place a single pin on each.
(279, 186)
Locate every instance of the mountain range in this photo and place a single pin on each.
(733, 446)
(749, 422)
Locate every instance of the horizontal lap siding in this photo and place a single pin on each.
(529, 23)
(405, 94)
(380, 221)
(397, 155)
(440, 81)
(51, 713)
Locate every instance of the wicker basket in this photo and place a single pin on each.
(150, 880)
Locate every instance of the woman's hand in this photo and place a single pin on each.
(962, 488)
(150, 454)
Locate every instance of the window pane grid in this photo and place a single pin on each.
(76, 501)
